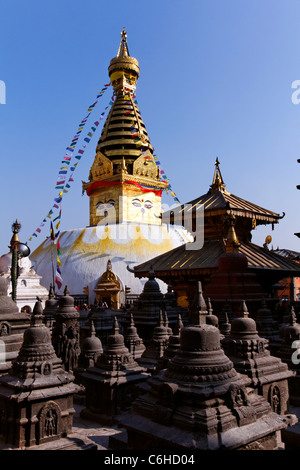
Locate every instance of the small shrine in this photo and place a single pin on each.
(111, 384)
(108, 288)
(102, 318)
(155, 349)
(146, 310)
(50, 308)
(200, 402)
(250, 356)
(172, 347)
(133, 341)
(90, 350)
(66, 334)
(13, 323)
(267, 327)
(36, 397)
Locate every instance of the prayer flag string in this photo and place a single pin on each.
(66, 171)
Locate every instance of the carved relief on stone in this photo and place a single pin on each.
(49, 421)
(5, 329)
(67, 345)
(101, 168)
(275, 398)
(145, 166)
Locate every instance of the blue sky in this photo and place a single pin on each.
(215, 80)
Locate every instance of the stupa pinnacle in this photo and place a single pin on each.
(124, 181)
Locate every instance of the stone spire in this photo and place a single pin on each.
(133, 341)
(50, 308)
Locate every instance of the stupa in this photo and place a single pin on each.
(50, 308)
(66, 332)
(172, 346)
(146, 310)
(36, 397)
(124, 190)
(155, 349)
(250, 355)
(200, 402)
(13, 323)
(111, 384)
(132, 340)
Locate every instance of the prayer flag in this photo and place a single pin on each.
(52, 234)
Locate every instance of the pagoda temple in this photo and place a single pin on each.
(124, 189)
(227, 224)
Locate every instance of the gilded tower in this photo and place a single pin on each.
(124, 182)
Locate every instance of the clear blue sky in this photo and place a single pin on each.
(215, 80)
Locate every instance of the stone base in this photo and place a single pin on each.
(71, 442)
(143, 434)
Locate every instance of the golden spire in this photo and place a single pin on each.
(218, 183)
(123, 48)
(123, 69)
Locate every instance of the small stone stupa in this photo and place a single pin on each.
(90, 350)
(13, 323)
(267, 327)
(65, 334)
(173, 346)
(50, 309)
(155, 349)
(250, 355)
(111, 383)
(147, 309)
(200, 402)
(36, 398)
(133, 341)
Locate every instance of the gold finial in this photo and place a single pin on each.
(218, 183)
(16, 227)
(123, 48)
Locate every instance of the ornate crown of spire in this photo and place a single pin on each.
(218, 183)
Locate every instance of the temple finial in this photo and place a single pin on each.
(123, 48)
(218, 183)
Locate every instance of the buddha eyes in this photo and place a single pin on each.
(139, 203)
(136, 203)
(105, 205)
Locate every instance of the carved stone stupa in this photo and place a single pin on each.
(250, 355)
(65, 335)
(111, 383)
(13, 323)
(200, 402)
(36, 398)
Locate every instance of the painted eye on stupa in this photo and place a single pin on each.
(148, 205)
(136, 203)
